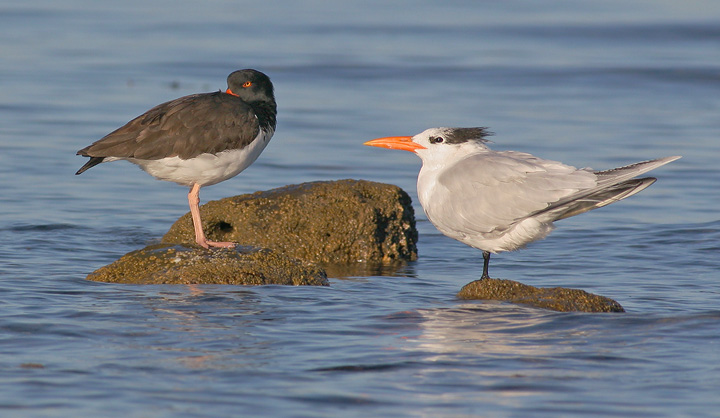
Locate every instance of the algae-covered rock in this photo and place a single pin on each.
(556, 298)
(177, 264)
(344, 221)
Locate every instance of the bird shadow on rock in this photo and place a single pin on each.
(556, 298)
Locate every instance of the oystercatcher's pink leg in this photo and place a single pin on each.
(194, 201)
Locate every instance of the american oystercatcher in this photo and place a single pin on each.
(499, 201)
(197, 140)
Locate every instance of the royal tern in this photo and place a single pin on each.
(499, 201)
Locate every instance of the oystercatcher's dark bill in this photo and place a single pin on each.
(502, 200)
(197, 140)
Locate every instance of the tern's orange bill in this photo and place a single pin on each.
(395, 142)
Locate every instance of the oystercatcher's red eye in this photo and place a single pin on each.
(247, 84)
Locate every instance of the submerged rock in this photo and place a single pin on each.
(178, 264)
(556, 298)
(344, 221)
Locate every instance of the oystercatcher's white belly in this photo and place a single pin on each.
(205, 169)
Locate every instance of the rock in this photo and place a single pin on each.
(177, 264)
(556, 298)
(347, 225)
(344, 221)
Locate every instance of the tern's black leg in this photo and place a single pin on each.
(486, 258)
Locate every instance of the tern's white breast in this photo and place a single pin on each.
(456, 213)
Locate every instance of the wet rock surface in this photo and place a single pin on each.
(557, 298)
(344, 221)
(178, 264)
(291, 235)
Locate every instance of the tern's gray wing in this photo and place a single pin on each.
(617, 175)
(490, 191)
(612, 186)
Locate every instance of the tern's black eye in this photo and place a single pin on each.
(436, 139)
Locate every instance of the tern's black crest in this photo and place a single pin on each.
(461, 135)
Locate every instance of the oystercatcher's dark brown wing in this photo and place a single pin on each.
(184, 127)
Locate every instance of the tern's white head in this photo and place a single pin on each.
(438, 144)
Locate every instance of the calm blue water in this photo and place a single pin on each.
(597, 84)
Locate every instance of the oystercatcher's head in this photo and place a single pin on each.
(251, 86)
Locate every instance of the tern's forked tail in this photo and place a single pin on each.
(613, 185)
